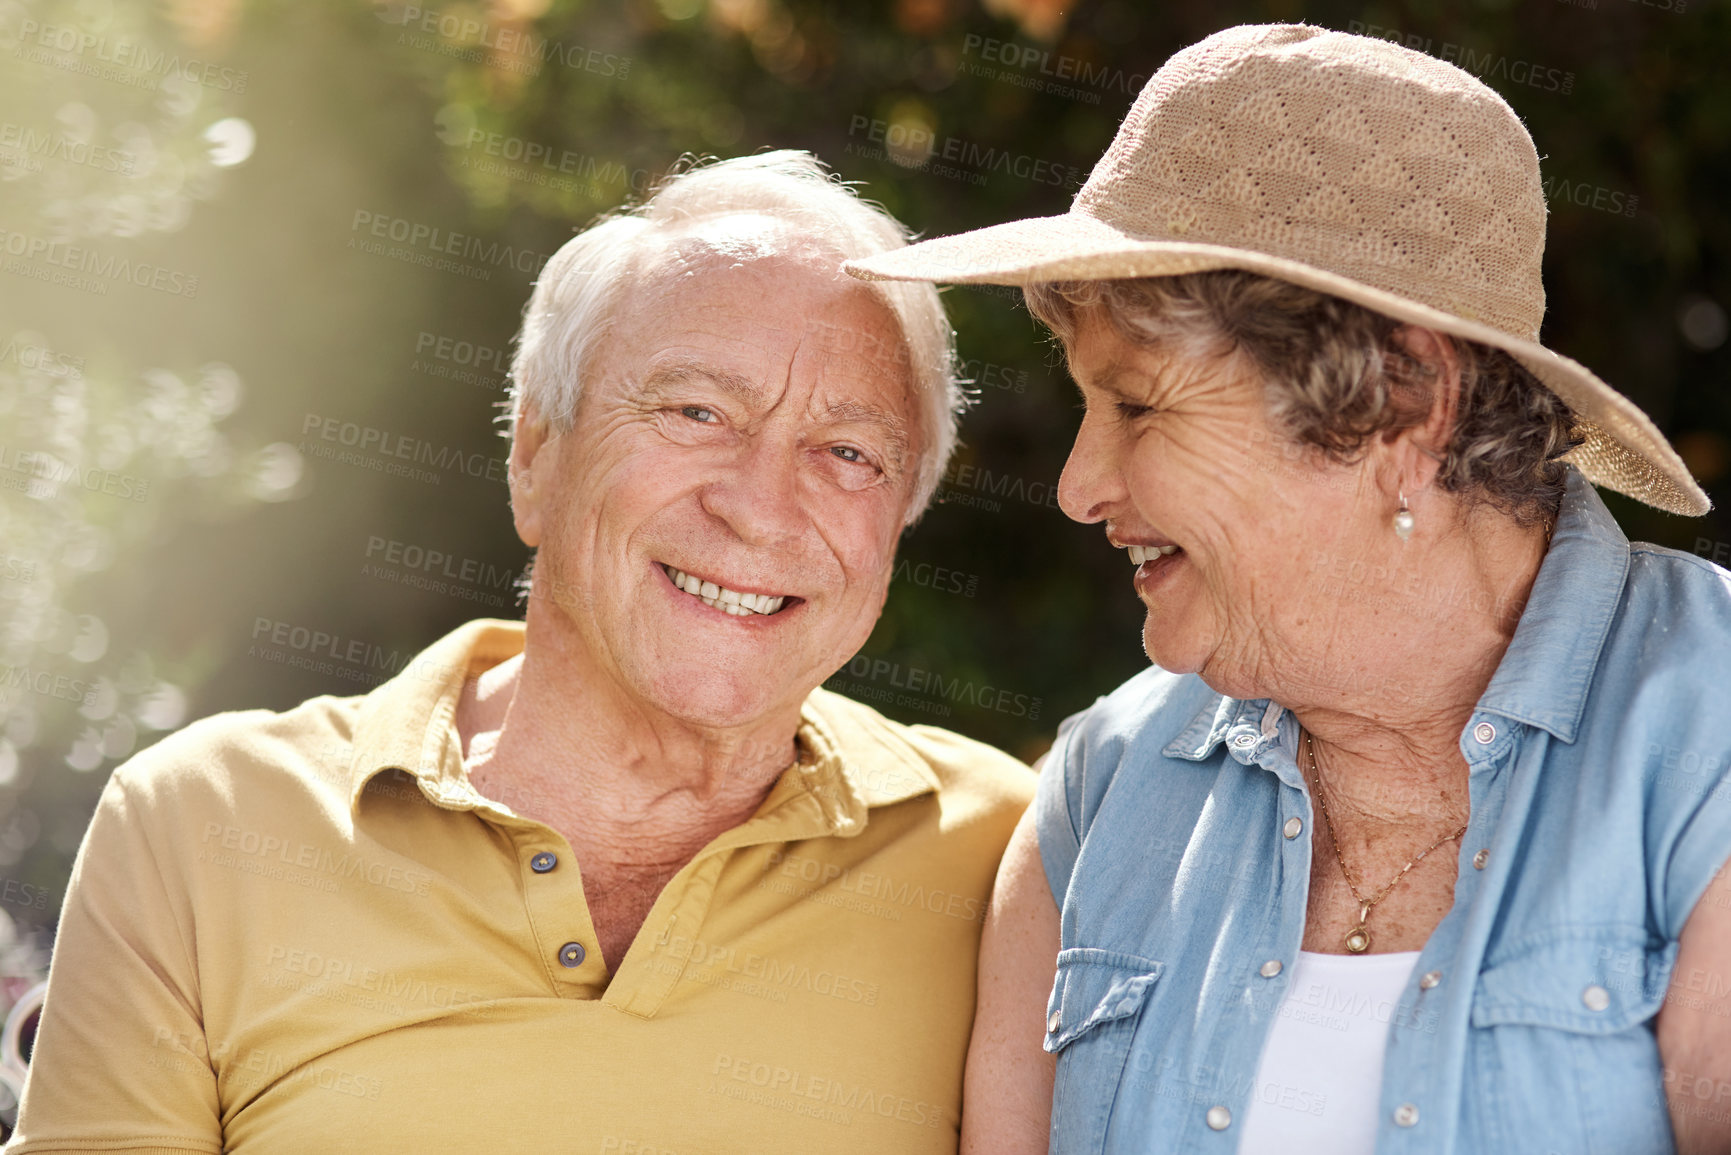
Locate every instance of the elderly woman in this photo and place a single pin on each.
(1416, 821)
(620, 878)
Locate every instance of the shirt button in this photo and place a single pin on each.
(1406, 1115)
(571, 954)
(1270, 968)
(1219, 1118)
(1596, 997)
(1429, 979)
(1485, 733)
(544, 862)
(1482, 857)
(1052, 1022)
(1294, 827)
(1244, 741)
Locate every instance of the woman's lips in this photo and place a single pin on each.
(1159, 563)
(1142, 553)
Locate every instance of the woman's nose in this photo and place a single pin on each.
(1092, 484)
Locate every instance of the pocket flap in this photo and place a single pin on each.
(1595, 980)
(1094, 987)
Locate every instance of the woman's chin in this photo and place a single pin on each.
(1168, 648)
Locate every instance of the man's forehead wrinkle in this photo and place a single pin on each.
(679, 373)
(847, 409)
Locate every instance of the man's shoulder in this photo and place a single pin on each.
(242, 760)
(954, 763)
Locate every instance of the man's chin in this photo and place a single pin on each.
(720, 702)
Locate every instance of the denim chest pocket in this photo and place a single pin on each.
(1563, 1057)
(1097, 1000)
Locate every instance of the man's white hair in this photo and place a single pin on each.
(571, 309)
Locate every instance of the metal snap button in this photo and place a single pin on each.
(1596, 997)
(1429, 979)
(1052, 1022)
(1219, 1118)
(1405, 1115)
(1482, 857)
(1293, 828)
(1244, 741)
(1485, 733)
(1270, 968)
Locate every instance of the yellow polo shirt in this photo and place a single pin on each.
(306, 932)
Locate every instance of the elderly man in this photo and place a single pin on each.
(619, 878)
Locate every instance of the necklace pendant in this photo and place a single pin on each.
(1358, 938)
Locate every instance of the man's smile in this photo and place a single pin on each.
(731, 601)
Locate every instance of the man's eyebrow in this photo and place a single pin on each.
(851, 411)
(865, 413)
(669, 377)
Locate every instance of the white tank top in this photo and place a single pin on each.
(1320, 1079)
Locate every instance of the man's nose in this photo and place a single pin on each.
(758, 493)
(1092, 484)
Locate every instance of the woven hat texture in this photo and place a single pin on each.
(1342, 163)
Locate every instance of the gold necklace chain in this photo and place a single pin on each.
(1358, 938)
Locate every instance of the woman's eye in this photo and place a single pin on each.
(847, 453)
(699, 413)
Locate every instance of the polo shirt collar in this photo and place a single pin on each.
(866, 752)
(409, 722)
(850, 758)
(1545, 673)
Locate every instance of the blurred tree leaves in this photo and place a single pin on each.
(109, 141)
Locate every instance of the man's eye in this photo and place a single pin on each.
(699, 413)
(847, 453)
(1129, 411)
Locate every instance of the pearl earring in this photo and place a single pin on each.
(1403, 520)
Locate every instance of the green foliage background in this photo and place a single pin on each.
(355, 112)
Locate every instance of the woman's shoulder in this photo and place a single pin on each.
(1674, 617)
(1130, 732)
(1154, 714)
(1149, 711)
(1663, 578)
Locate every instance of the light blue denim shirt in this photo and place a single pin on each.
(1174, 827)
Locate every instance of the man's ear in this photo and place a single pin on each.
(1411, 457)
(533, 463)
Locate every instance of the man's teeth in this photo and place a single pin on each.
(738, 604)
(1142, 553)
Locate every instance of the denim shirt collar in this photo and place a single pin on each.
(1545, 673)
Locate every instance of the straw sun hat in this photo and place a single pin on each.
(1344, 164)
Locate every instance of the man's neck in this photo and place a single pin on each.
(625, 783)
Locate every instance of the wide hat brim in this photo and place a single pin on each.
(1623, 450)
